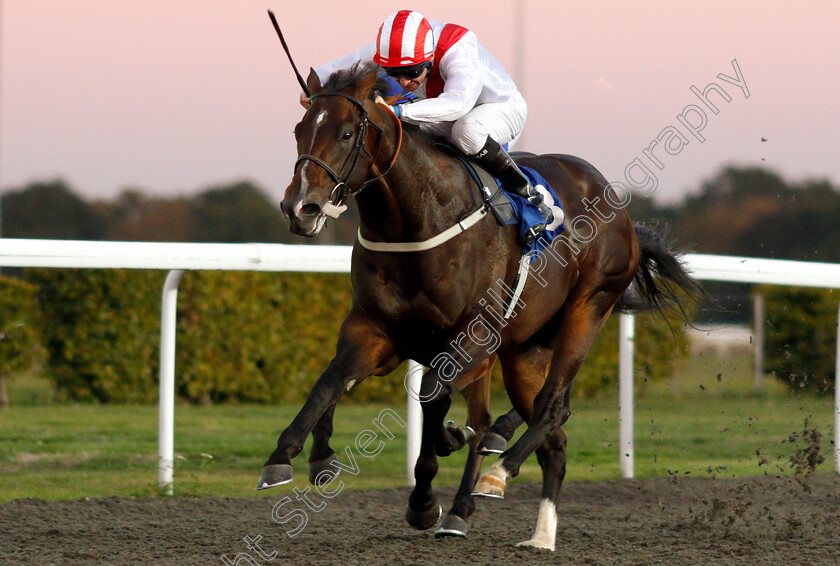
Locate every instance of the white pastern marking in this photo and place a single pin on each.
(546, 531)
(498, 470)
(493, 482)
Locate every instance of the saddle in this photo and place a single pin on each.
(508, 208)
(511, 209)
(494, 195)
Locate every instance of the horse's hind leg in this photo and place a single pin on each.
(495, 439)
(322, 456)
(552, 458)
(476, 391)
(524, 368)
(579, 324)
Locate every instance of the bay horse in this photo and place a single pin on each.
(436, 306)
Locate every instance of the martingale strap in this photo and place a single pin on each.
(432, 242)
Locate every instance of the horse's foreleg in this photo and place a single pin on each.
(477, 395)
(423, 509)
(436, 396)
(362, 351)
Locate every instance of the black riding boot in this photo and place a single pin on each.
(500, 164)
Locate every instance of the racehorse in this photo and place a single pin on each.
(433, 306)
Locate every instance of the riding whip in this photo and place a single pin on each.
(288, 54)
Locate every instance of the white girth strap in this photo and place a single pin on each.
(521, 277)
(432, 242)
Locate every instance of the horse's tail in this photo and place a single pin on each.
(662, 283)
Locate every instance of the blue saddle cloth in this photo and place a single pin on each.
(529, 215)
(525, 214)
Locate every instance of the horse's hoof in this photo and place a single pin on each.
(316, 468)
(535, 543)
(491, 443)
(492, 483)
(422, 520)
(452, 526)
(489, 494)
(274, 475)
(461, 436)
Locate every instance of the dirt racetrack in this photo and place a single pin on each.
(674, 521)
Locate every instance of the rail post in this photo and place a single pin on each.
(837, 400)
(166, 420)
(626, 335)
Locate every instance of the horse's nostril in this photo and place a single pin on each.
(310, 209)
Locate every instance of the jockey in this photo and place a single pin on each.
(465, 94)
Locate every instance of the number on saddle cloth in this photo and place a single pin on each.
(530, 214)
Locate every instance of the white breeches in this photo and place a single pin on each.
(501, 121)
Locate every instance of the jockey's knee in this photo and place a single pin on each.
(469, 135)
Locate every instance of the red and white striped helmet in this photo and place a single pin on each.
(405, 38)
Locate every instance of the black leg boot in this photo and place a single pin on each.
(500, 164)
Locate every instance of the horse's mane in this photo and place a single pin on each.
(344, 78)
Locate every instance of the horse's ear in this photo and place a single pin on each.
(364, 86)
(313, 82)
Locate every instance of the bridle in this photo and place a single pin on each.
(341, 192)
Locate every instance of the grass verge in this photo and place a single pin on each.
(709, 423)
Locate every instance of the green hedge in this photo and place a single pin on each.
(242, 337)
(102, 331)
(659, 343)
(801, 337)
(20, 344)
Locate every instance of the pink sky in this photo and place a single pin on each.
(173, 96)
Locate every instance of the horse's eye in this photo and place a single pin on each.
(346, 135)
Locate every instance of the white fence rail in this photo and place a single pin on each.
(278, 257)
(736, 270)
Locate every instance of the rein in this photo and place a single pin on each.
(341, 193)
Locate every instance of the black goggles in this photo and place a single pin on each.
(410, 72)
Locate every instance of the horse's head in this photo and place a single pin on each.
(336, 150)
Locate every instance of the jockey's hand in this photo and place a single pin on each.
(382, 102)
(304, 100)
